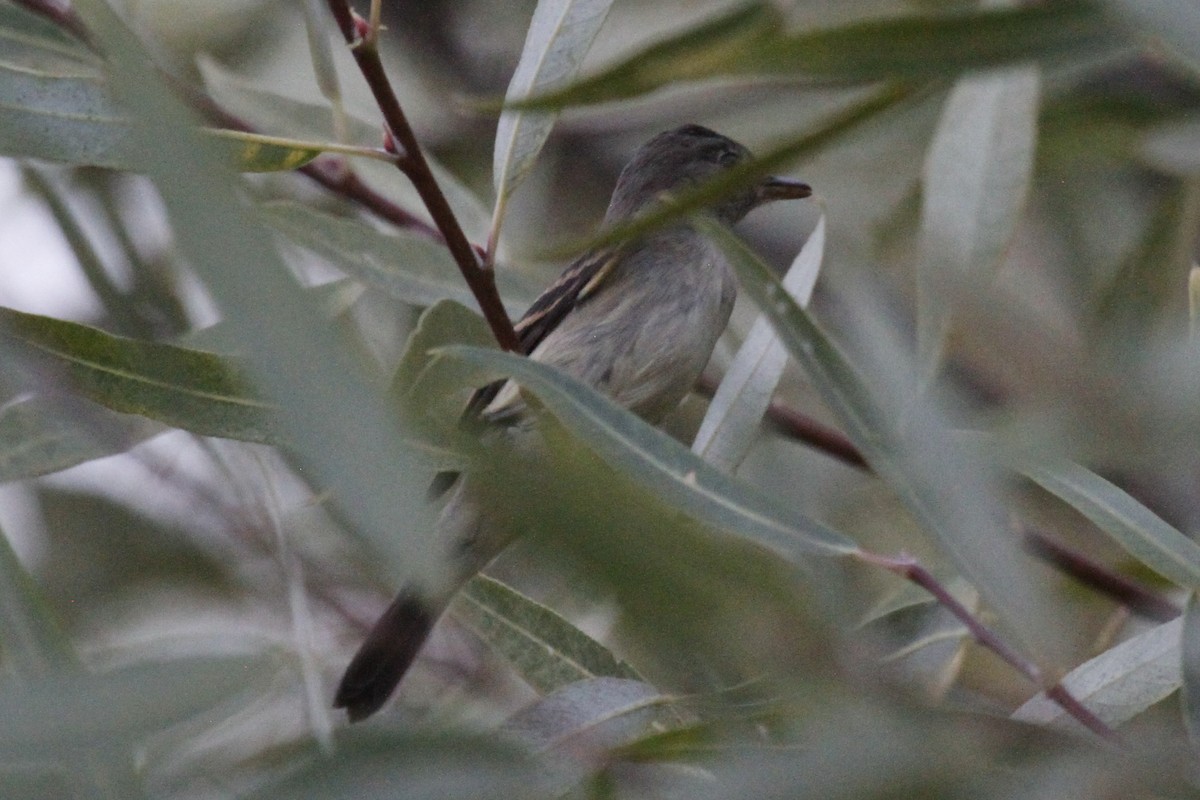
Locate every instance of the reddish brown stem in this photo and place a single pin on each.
(910, 570)
(412, 162)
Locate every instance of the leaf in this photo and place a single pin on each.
(404, 266)
(921, 461)
(588, 717)
(197, 391)
(1141, 532)
(547, 651)
(61, 711)
(31, 641)
(1189, 652)
(37, 439)
(733, 416)
(560, 35)
(976, 179)
(256, 152)
(662, 465)
(750, 41)
(414, 766)
(1118, 684)
(342, 431)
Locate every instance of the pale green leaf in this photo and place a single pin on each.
(947, 487)
(1118, 684)
(560, 34)
(36, 438)
(547, 651)
(662, 465)
(31, 641)
(343, 431)
(733, 416)
(976, 177)
(402, 265)
(1143, 534)
(595, 714)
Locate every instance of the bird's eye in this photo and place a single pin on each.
(727, 158)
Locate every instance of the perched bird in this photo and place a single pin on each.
(636, 321)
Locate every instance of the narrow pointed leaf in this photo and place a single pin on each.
(547, 651)
(38, 439)
(1143, 534)
(921, 461)
(1118, 684)
(190, 389)
(975, 180)
(560, 34)
(733, 416)
(31, 641)
(661, 464)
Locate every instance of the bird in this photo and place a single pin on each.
(636, 321)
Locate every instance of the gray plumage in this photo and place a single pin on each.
(636, 321)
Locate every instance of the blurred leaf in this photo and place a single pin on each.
(59, 713)
(443, 323)
(733, 416)
(710, 48)
(975, 181)
(1173, 147)
(1174, 24)
(588, 717)
(1141, 532)
(341, 430)
(31, 641)
(927, 46)
(61, 113)
(914, 453)
(415, 766)
(547, 651)
(36, 438)
(1118, 684)
(19, 27)
(662, 465)
(197, 391)
(1189, 652)
(404, 266)
(1147, 284)
(560, 34)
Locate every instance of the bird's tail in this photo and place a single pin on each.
(385, 656)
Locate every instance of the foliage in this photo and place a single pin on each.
(216, 503)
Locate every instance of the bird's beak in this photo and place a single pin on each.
(783, 189)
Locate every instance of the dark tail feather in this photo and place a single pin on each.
(385, 656)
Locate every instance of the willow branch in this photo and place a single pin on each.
(363, 41)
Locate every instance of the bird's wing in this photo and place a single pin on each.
(576, 283)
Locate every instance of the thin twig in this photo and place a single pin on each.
(362, 38)
(907, 568)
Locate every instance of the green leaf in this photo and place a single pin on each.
(58, 712)
(1189, 652)
(36, 438)
(975, 181)
(341, 429)
(947, 487)
(255, 152)
(662, 465)
(1118, 684)
(915, 46)
(1141, 532)
(733, 416)
(590, 715)
(404, 266)
(415, 766)
(560, 35)
(31, 641)
(547, 651)
(197, 391)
